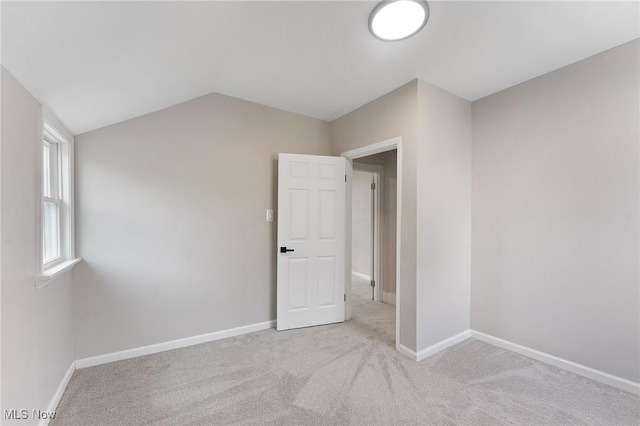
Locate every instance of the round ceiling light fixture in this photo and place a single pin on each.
(398, 19)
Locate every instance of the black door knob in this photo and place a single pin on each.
(284, 249)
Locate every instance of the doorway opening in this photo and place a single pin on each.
(373, 241)
(366, 228)
(368, 220)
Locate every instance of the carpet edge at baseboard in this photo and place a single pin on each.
(573, 367)
(581, 370)
(173, 344)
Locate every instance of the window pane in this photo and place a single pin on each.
(50, 231)
(54, 169)
(51, 184)
(46, 170)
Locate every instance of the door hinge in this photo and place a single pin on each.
(373, 283)
(345, 297)
(345, 178)
(373, 186)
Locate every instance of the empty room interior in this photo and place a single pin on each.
(320, 212)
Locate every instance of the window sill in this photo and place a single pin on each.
(54, 272)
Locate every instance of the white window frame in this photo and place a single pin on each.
(54, 133)
(52, 174)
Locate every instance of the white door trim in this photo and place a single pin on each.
(376, 148)
(378, 268)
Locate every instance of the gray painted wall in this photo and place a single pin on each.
(555, 213)
(171, 221)
(389, 116)
(37, 327)
(444, 215)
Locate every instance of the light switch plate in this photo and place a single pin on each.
(269, 215)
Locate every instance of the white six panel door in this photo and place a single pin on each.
(311, 223)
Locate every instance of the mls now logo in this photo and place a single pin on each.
(23, 414)
(16, 414)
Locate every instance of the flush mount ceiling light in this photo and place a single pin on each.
(398, 19)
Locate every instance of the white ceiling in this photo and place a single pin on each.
(97, 63)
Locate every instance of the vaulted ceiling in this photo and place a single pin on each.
(97, 63)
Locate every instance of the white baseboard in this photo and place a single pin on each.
(361, 276)
(59, 392)
(581, 370)
(389, 298)
(442, 345)
(173, 344)
(406, 351)
(433, 349)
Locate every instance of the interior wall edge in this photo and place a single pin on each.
(57, 396)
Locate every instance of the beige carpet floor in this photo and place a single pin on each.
(338, 374)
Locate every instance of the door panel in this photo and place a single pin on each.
(299, 224)
(328, 214)
(327, 273)
(311, 223)
(298, 283)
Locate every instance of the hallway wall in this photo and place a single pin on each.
(362, 235)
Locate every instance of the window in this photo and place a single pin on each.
(56, 225)
(51, 201)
